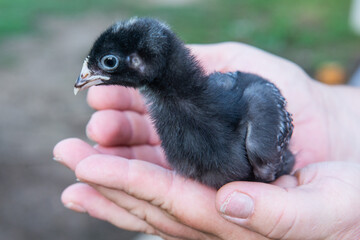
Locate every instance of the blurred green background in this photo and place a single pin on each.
(43, 44)
(306, 32)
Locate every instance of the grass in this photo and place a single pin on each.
(307, 32)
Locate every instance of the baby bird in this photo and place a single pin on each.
(215, 128)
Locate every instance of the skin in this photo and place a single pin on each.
(126, 180)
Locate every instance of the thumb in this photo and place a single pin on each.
(276, 211)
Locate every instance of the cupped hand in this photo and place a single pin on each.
(145, 195)
(319, 202)
(140, 196)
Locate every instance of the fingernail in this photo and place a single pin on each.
(238, 205)
(57, 159)
(60, 160)
(75, 207)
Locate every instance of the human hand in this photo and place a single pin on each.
(141, 196)
(321, 201)
(122, 128)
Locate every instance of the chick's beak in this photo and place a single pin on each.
(87, 78)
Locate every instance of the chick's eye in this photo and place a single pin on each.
(109, 62)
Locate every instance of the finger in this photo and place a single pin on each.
(341, 170)
(186, 200)
(83, 198)
(153, 154)
(71, 151)
(112, 172)
(112, 128)
(153, 215)
(273, 211)
(115, 97)
(286, 181)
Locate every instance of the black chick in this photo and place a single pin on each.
(215, 128)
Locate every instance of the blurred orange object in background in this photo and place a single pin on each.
(331, 73)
